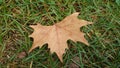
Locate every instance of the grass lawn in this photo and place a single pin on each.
(104, 39)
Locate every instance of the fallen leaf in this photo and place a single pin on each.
(57, 34)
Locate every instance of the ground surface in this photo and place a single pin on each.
(104, 39)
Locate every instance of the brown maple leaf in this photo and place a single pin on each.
(57, 35)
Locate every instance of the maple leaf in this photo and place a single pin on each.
(57, 35)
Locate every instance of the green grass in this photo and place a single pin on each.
(17, 15)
